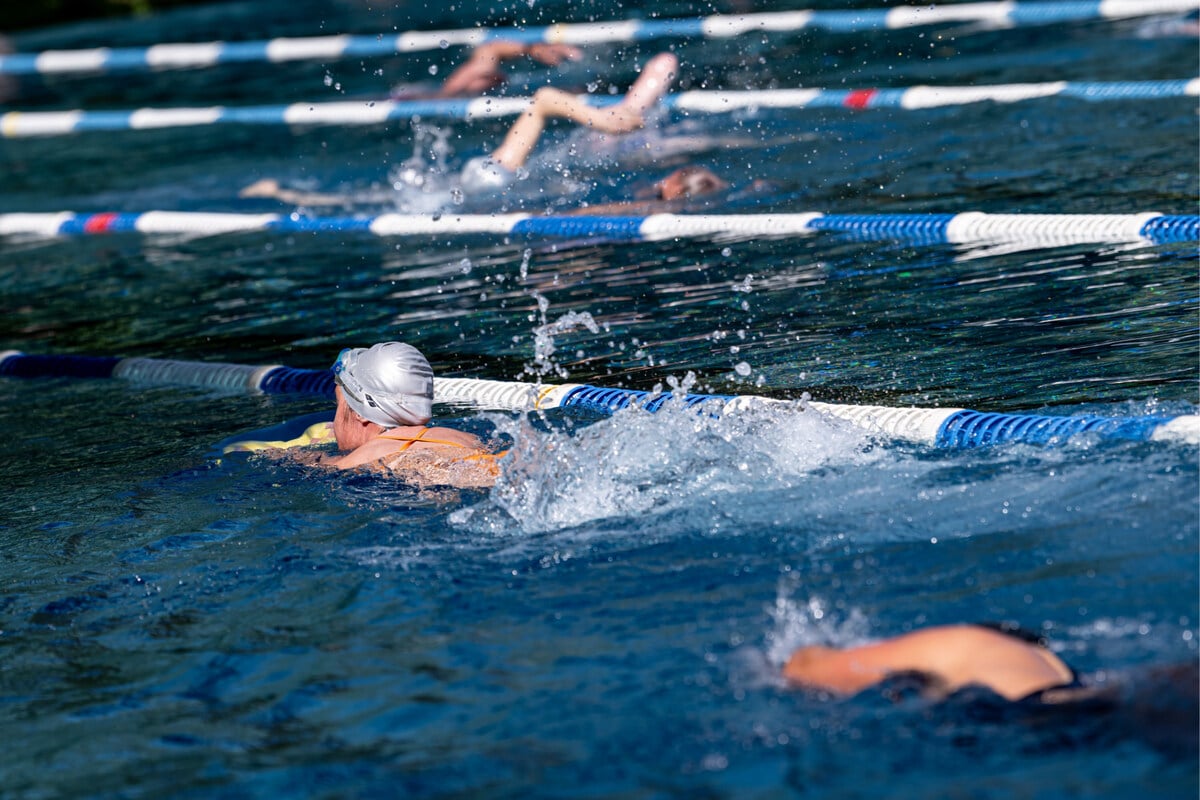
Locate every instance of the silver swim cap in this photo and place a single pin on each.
(389, 384)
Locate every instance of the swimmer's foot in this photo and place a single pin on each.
(267, 187)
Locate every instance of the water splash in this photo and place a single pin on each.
(688, 471)
(420, 181)
(543, 363)
(799, 622)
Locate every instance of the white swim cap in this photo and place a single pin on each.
(389, 384)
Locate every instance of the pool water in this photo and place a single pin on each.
(611, 618)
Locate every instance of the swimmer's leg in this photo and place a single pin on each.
(267, 187)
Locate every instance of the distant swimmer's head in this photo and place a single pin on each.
(390, 384)
(689, 182)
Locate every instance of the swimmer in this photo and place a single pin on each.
(1186, 26)
(1013, 665)
(269, 188)
(1159, 705)
(676, 192)
(673, 193)
(497, 170)
(384, 402)
(482, 73)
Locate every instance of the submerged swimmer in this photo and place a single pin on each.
(675, 192)
(1159, 704)
(948, 658)
(671, 193)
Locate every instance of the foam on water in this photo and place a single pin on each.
(671, 463)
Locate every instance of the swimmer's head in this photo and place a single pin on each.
(390, 384)
(689, 182)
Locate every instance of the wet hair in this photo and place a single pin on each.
(696, 181)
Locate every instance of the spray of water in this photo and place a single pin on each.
(543, 362)
(799, 622)
(420, 182)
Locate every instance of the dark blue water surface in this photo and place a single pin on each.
(610, 620)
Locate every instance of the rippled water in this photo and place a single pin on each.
(611, 618)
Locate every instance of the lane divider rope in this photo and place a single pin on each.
(26, 124)
(934, 427)
(1036, 230)
(327, 48)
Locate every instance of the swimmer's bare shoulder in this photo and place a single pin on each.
(423, 457)
(404, 440)
(426, 468)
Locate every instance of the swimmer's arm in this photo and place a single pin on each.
(621, 118)
(482, 70)
(971, 655)
(370, 454)
(270, 188)
(497, 52)
(841, 671)
(552, 54)
(549, 103)
(636, 208)
(374, 452)
(958, 655)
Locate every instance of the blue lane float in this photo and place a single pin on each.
(951, 428)
(329, 48)
(972, 227)
(26, 124)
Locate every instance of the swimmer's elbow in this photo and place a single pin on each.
(619, 122)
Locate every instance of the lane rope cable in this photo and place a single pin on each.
(1034, 230)
(933, 427)
(25, 124)
(206, 54)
